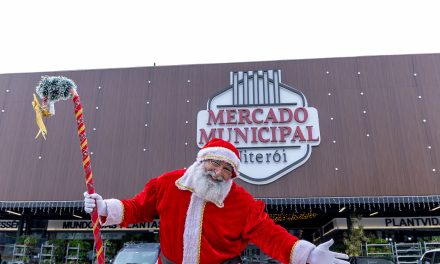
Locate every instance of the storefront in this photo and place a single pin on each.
(320, 140)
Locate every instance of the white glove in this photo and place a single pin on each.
(322, 255)
(94, 200)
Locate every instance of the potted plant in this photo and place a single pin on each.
(59, 249)
(25, 247)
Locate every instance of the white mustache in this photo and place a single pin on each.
(214, 176)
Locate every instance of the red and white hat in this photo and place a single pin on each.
(218, 149)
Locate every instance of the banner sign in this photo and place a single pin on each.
(401, 222)
(86, 225)
(9, 225)
(386, 223)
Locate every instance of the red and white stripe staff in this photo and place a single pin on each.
(52, 89)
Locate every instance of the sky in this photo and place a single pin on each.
(56, 35)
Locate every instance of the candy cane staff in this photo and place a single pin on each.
(52, 89)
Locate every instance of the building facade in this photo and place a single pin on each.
(320, 140)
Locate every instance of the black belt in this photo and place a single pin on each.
(236, 260)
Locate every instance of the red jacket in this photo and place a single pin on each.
(225, 232)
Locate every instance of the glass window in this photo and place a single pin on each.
(436, 258)
(427, 258)
(136, 257)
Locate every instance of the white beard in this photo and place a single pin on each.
(201, 183)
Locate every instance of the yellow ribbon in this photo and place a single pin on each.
(39, 112)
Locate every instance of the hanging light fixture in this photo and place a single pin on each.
(436, 208)
(12, 212)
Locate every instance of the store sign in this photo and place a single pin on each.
(86, 225)
(268, 121)
(9, 225)
(401, 222)
(386, 223)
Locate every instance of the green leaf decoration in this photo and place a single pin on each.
(55, 88)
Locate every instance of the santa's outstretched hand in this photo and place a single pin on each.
(322, 255)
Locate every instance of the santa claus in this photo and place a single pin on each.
(206, 217)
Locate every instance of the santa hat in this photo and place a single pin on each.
(218, 149)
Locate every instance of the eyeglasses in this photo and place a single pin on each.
(226, 169)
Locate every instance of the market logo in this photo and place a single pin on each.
(269, 122)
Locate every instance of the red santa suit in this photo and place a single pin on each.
(193, 230)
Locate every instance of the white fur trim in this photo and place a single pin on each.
(301, 252)
(193, 230)
(220, 153)
(115, 212)
(186, 182)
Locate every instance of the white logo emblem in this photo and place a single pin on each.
(269, 122)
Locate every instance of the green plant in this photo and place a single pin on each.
(110, 250)
(355, 237)
(59, 249)
(84, 246)
(29, 241)
(372, 239)
(435, 239)
(20, 240)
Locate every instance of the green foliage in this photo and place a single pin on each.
(435, 239)
(20, 240)
(84, 247)
(55, 88)
(59, 249)
(372, 239)
(355, 237)
(110, 250)
(29, 241)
